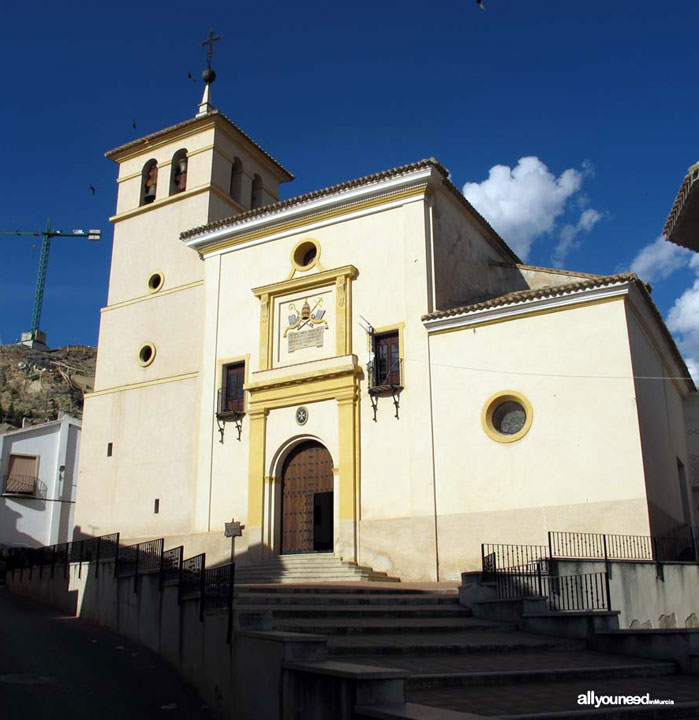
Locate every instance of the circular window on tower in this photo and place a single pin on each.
(305, 255)
(155, 282)
(146, 354)
(507, 416)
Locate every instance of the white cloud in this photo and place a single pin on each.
(588, 219)
(524, 202)
(660, 259)
(657, 261)
(683, 321)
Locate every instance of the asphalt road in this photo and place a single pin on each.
(56, 667)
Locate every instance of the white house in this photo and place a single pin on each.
(39, 471)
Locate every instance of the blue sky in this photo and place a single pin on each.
(605, 92)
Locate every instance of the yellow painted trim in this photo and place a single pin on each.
(220, 364)
(307, 282)
(347, 457)
(160, 202)
(159, 286)
(306, 387)
(141, 361)
(343, 307)
(401, 345)
(256, 472)
(273, 229)
(137, 386)
(491, 405)
(341, 384)
(150, 297)
(533, 313)
(296, 266)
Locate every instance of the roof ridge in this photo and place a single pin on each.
(558, 271)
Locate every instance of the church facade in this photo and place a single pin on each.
(367, 370)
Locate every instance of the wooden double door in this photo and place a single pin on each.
(307, 500)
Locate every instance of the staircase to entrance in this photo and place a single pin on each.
(308, 568)
(455, 665)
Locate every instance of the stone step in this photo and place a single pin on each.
(318, 600)
(308, 568)
(543, 700)
(311, 612)
(427, 671)
(488, 640)
(340, 589)
(297, 579)
(380, 625)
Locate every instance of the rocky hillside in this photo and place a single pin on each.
(37, 385)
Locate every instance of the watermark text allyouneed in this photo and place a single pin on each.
(593, 699)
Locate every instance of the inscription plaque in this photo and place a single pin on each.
(306, 339)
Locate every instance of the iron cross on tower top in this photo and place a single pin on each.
(210, 42)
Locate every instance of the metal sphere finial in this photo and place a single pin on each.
(208, 76)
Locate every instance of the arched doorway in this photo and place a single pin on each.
(307, 500)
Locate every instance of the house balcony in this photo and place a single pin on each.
(23, 486)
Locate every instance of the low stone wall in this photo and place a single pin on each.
(647, 594)
(239, 680)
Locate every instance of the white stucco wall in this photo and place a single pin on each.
(662, 426)
(578, 468)
(47, 518)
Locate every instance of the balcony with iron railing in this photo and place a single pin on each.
(229, 408)
(22, 485)
(385, 377)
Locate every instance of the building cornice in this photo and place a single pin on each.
(389, 192)
(519, 308)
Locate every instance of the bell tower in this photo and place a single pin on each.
(138, 464)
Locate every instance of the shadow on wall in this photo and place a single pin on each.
(10, 534)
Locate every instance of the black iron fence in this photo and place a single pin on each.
(531, 570)
(681, 544)
(172, 565)
(498, 558)
(587, 591)
(214, 587)
(192, 576)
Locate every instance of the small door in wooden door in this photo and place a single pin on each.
(307, 487)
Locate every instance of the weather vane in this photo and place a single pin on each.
(210, 42)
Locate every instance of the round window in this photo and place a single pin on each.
(155, 282)
(507, 416)
(146, 354)
(305, 255)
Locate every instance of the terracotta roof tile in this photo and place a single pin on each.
(533, 294)
(282, 205)
(276, 207)
(179, 126)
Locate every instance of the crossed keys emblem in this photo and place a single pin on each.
(308, 315)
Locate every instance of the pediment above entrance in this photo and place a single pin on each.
(306, 319)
